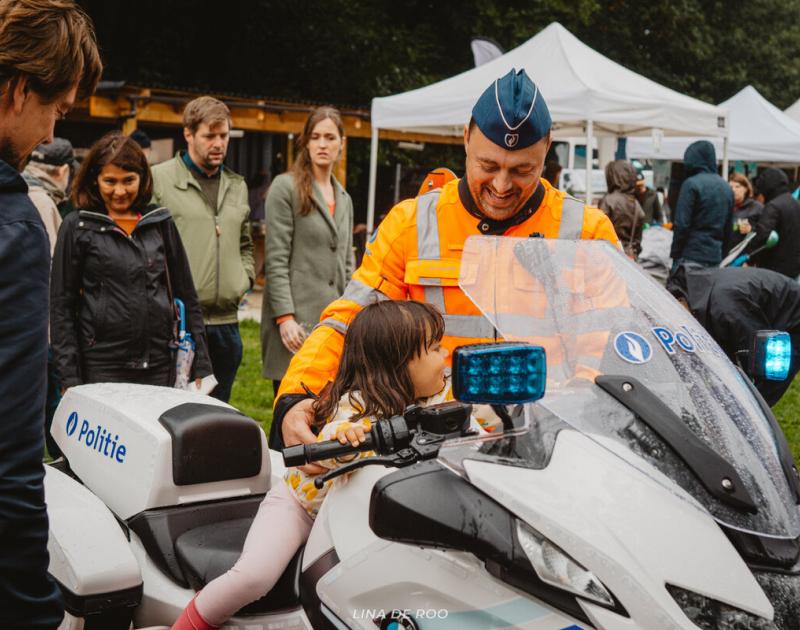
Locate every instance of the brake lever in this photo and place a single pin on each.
(404, 457)
(423, 446)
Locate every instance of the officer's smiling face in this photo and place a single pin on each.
(501, 181)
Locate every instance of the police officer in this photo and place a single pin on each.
(416, 251)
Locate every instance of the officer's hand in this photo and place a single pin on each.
(292, 335)
(296, 429)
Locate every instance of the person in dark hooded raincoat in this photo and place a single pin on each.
(622, 207)
(782, 214)
(702, 221)
(733, 303)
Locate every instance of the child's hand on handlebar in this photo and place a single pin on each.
(353, 434)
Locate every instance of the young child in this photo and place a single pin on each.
(392, 357)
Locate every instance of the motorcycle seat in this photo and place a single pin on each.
(207, 552)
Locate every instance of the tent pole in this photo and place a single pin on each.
(589, 155)
(725, 158)
(373, 176)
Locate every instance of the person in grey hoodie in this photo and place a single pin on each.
(622, 207)
(702, 222)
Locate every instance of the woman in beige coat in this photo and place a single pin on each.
(309, 259)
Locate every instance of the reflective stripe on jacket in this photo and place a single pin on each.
(416, 254)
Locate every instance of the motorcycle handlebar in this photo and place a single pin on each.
(386, 437)
(304, 453)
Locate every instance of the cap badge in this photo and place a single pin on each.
(511, 139)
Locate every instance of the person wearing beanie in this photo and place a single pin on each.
(416, 251)
(781, 213)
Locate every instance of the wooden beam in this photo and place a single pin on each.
(431, 138)
(246, 116)
(289, 151)
(340, 170)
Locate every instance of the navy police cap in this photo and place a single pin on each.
(512, 112)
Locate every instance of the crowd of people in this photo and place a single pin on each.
(128, 239)
(710, 217)
(115, 243)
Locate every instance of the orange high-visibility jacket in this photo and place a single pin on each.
(416, 254)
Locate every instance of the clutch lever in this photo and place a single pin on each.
(402, 458)
(423, 446)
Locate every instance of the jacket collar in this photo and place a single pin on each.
(184, 178)
(11, 180)
(196, 170)
(322, 207)
(490, 226)
(152, 214)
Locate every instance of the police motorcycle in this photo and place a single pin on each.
(638, 480)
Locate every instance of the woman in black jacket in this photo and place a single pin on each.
(118, 264)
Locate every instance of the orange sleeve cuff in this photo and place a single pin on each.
(284, 318)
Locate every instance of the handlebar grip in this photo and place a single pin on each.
(294, 455)
(306, 453)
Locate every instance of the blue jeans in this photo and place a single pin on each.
(225, 352)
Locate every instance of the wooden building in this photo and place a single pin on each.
(262, 133)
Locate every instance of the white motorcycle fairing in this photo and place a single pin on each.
(440, 589)
(631, 532)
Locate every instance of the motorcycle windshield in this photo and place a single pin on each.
(597, 315)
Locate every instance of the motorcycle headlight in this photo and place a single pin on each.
(558, 569)
(714, 615)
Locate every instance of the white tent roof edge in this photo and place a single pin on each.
(579, 84)
(769, 134)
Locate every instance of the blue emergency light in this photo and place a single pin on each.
(771, 357)
(502, 373)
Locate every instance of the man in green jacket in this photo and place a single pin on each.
(209, 204)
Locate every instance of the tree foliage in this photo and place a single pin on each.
(349, 51)
(346, 52)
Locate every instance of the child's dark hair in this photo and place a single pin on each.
(380, 342)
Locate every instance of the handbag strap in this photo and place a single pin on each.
(173, 307)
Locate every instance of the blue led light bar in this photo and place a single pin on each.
(772, 355)
(501, 373)
(778, 357)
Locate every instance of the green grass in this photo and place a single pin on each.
(252, 393)
(788, 413)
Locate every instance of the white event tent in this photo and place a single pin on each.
(793, 111)
(759, 132)
(585, 91)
